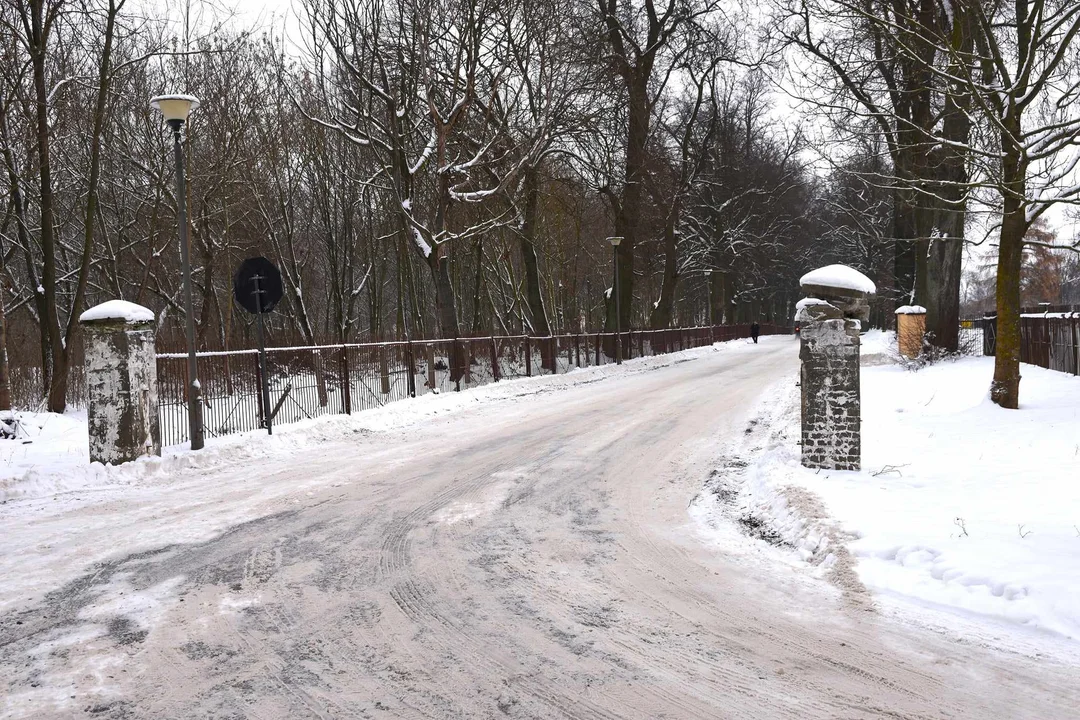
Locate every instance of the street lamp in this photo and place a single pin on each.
(175, 110)
(708, 283)
(615, 288)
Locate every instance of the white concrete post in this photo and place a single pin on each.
(121, 382)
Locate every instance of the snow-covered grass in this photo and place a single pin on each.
(960, 505)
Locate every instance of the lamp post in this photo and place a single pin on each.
(615, 289)
(708, 282)
(175, 110)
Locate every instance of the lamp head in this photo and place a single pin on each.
(614, 241)
(174, 108)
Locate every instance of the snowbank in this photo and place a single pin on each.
(40, 454)
(839, 276)
(960, 505)
(875, 342)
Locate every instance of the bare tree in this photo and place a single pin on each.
(1023, 76)
(648, 45)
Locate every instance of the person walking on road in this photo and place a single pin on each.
(755, 330)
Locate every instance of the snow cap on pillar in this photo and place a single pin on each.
(122, 311)
(838, 277)
(842, 287)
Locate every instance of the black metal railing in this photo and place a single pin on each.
(309, 381)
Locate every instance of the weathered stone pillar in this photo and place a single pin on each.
(121, 382)
(830, 320)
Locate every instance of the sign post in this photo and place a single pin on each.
(257, 288)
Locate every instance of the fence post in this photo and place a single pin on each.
(597, 348)
(258, 389)
(641, 344)
(410, 361)
(577, 349)
(1049, 345)
(465, 353)
(629, 344)
(554, 355)
(528, 357)
(346, 381)
(494, 361)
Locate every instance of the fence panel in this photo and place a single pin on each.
(230, 391)
(1050, 340)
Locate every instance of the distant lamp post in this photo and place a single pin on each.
(615, 289)
(175, 110)
(708, 283)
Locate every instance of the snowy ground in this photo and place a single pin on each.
(49, 490)
(962, 510)
(523, 550)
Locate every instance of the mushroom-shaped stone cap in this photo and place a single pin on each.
(807, 302)
(118, 311)
(911, 310)
(839, 278)
(813, 309)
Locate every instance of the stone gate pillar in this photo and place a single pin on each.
(830, 319)
(121, 382)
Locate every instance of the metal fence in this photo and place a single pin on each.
(1050, 340)
(306, 382)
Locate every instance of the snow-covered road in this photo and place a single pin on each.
(531, 556)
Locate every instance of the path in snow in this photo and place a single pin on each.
(529, 557)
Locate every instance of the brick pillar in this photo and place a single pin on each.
(831, 409)
(121, 382)
(829, 324)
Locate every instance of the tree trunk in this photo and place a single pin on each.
(22, 228)
(56, 391)
(905, 252)
(947, 252)
(5, 377)
(628, 212)
(943, 292)
(446, 311)
(715, 315)
(59, 401)
(533, 292)
(478, 290)
(662, 312)
(1005, 388)
(722, 298)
